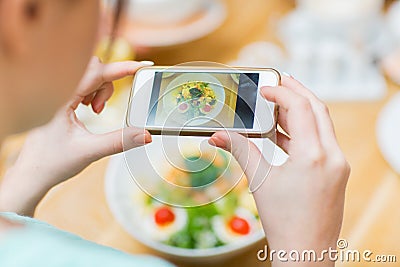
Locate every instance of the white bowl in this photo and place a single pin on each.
(158, 12)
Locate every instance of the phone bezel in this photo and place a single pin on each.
(201, 131)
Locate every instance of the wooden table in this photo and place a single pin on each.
(372, 213)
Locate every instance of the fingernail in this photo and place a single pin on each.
(217, 142)
(144, 138)
(147, 63)
(99, 108)
(212, 142)
(287, 74)
(147, 138)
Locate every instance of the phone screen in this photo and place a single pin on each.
(194, 99)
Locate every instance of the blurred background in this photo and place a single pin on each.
(347, 52)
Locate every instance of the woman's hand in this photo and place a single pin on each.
(64, 147)
(301, 202)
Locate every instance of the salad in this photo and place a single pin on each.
(229, 219)
(195, 99)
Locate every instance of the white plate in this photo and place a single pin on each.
(214, 83)
(120, 190)
(160, 36)
(388, 132)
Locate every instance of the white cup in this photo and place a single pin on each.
(159, 12)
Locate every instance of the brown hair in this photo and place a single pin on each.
(118, 12)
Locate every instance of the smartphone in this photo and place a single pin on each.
(197, 101)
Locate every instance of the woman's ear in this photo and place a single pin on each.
(16, 19)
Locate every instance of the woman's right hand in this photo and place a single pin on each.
(301, 202)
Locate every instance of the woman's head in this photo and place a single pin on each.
(45, 46)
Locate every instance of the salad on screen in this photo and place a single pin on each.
(195, 98)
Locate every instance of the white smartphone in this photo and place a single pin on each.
(198, 101)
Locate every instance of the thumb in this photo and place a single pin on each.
(246, 153)
(117, 141)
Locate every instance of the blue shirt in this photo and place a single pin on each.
(40, 244)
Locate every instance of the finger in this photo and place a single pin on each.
(300, 120)
(118, 141)
(88, 99)
(324, 122)
(246, 153)
(118, 70)
(282, 119)
(283, 141)
(102, 96)
(97, 74)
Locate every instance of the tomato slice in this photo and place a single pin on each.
(207, 108)
(239, 225)
(164, 216)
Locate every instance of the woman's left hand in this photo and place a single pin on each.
(64, 147)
